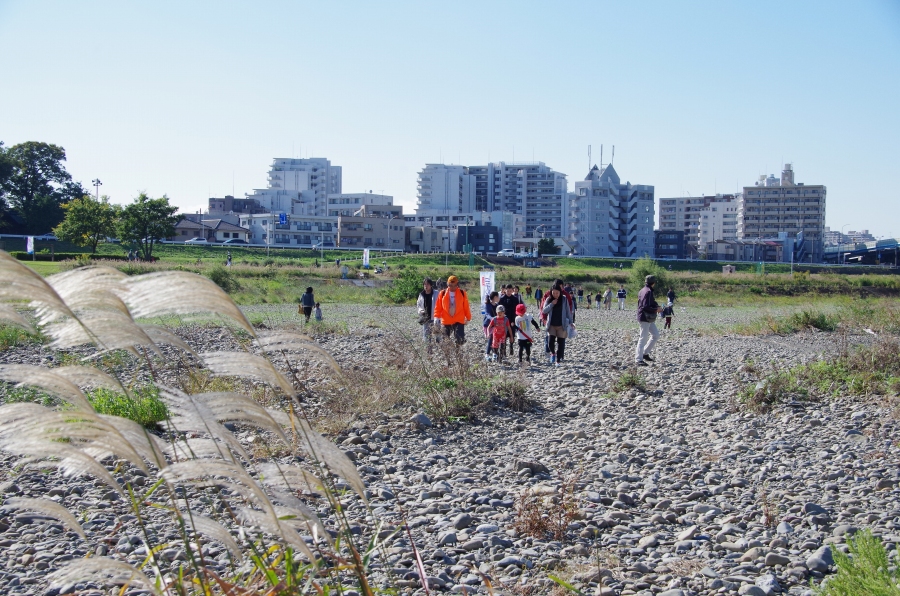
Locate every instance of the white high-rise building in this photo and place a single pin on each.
(299, 186)
(609, 218)
(684, 214)
(445, 190)
(718, 221)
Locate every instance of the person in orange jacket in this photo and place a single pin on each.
(451, 310)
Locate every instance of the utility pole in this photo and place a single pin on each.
(97, 184)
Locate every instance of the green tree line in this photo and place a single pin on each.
(37, 195)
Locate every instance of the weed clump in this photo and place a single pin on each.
(866, 570)
(547, 517)
(630, 380)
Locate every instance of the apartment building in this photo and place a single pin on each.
(381, 227)
(684, 214)
(782, 208)
(299, 186)
(350, 203)
(610, 218)
(290, 230)
(530, 189)
(444, 189)
(718, 221)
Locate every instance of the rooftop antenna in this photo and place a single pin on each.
(589, 158)
(613, 158)
(601, 156)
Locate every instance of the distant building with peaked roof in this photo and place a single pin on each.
(609, 218)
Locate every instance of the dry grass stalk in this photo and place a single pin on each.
(98, 305)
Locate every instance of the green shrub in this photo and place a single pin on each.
(12, 336)
(641, 268)
(809, 319)
(405, 286)
(865, 571)
(222, 277)
(145, 408)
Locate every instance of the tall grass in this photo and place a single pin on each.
(274, 540)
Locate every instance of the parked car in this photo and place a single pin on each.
(506, 252)
(235, 241)
(196, 240)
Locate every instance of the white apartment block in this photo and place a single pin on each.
(782, 208)
(611, 219)
(530, 189)
(718, 221)
(684, 214)
(299, 186)
(443, 189)
(298, 230)
(349, 203)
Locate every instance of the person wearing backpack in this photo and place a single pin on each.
(498, 330)
(451, 310)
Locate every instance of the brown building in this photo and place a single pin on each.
(373, 226)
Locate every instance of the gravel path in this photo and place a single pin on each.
(678, 490)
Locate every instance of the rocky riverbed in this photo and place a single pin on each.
(677, 488)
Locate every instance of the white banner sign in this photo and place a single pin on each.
(487, 284)
(365, 257)
(29, 244)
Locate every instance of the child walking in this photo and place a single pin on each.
(488, 314)
(498, 330)
(668, 312)
(522, 328)
(590, 299)
(318, 312)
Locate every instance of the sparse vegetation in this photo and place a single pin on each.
(630, 379)
(547, 517)
(864, 571)
(861, 371)
(143, 406)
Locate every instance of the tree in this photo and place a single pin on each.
(546, 246)
(87, 221)
(6, 168)
(147, 221)
(38, 184)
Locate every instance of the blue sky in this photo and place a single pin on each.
(195, 98)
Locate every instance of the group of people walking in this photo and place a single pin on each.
(507, 325)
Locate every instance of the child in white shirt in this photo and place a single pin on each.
(522, 328)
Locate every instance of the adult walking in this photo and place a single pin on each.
(607, 298)
(557, 314)
(307, 303)
(647, 312)
(671, 295)
(538, 294)
(621, 294)
(451, 310)
(425, 306)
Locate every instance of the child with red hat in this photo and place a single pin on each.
(522, 328)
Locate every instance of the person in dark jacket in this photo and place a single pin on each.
(647, 311)
(671, 295)
(307, 303)
(510, 300)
